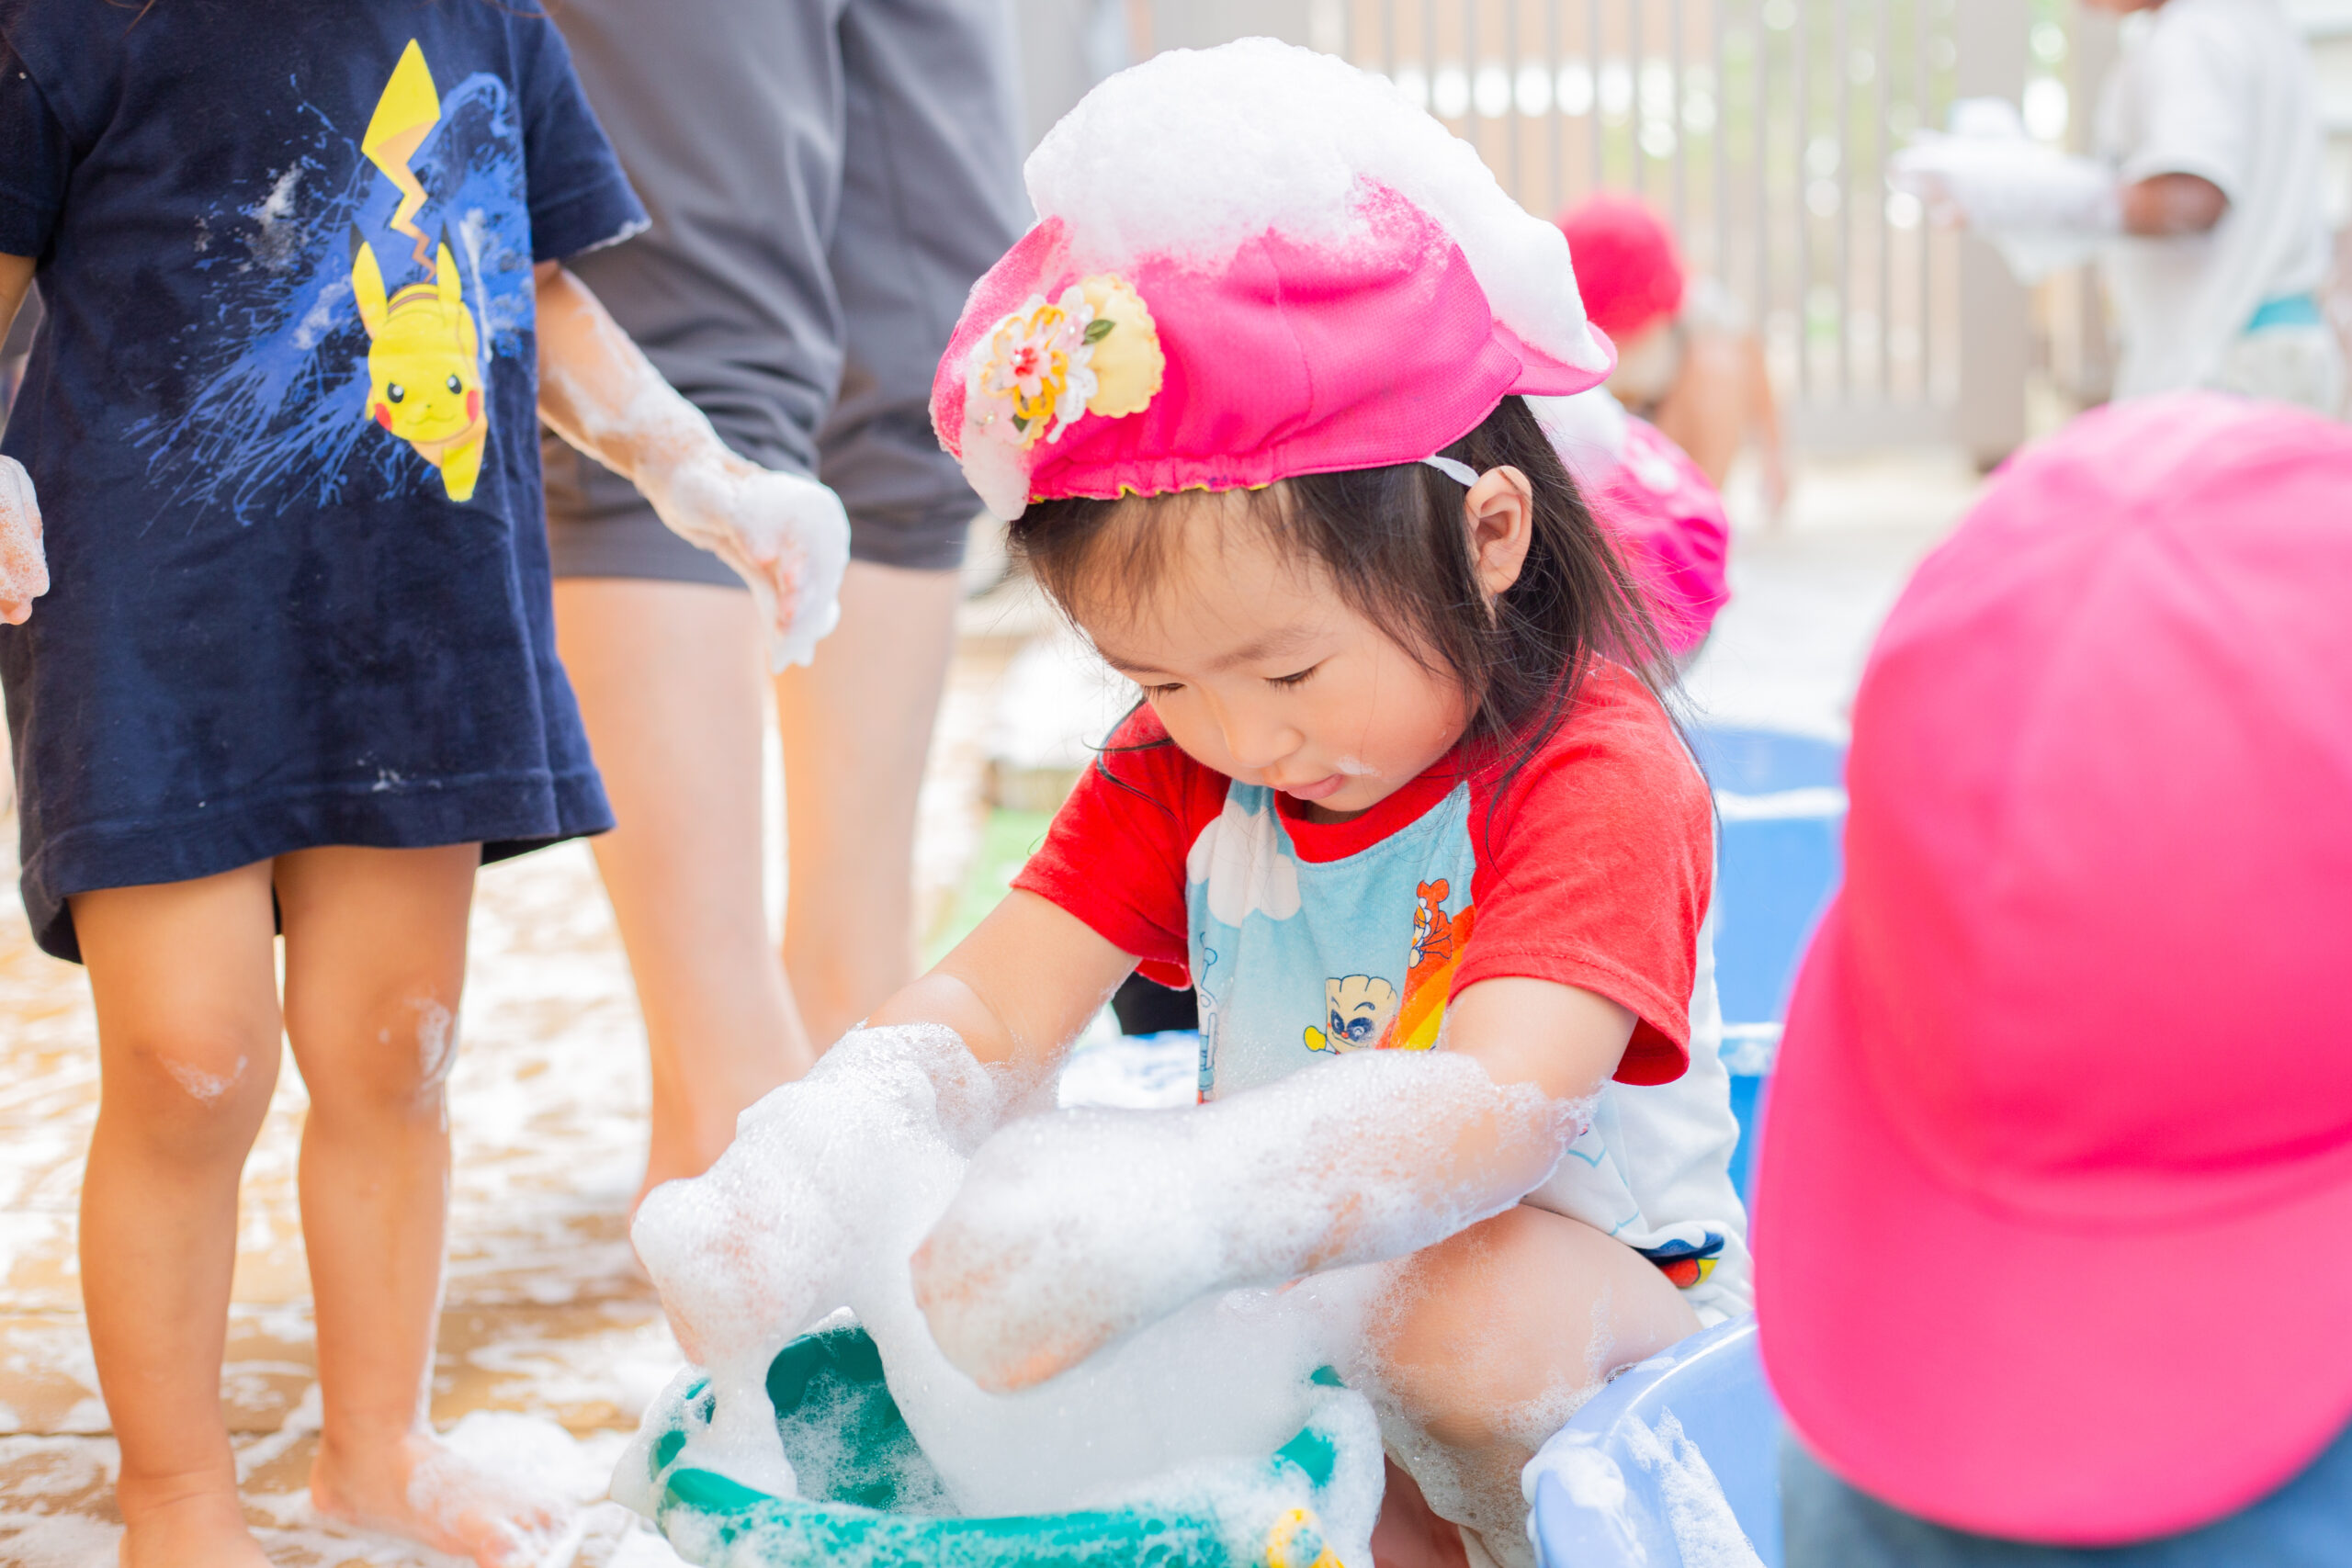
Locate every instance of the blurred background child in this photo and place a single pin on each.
(2206, 203)
(1686, 362)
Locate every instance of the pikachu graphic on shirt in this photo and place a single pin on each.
(424, 376)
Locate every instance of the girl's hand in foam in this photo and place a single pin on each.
(787, 536)
(1068, 1232)
(768, 1240)
(24, 569)
(1073, 1230)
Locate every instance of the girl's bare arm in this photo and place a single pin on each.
(1020, 988)
(1074, 1230)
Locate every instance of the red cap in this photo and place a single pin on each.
(2057, 1181)
(1627, 267)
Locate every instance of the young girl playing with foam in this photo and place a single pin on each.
(1402, 800)
(295, 664)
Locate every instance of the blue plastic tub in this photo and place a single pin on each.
(1602, 1493)
(1783, 805)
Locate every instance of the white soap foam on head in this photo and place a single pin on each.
(1194, 153)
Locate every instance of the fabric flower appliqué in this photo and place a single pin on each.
(1095, 349)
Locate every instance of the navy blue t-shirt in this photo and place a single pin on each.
(282, 423)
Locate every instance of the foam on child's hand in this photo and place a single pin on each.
(786, 535)
(773, 1235)
(24, 568)
(831, 1184)
(1042, 1257)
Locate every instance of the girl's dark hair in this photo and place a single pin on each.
(1394, 546)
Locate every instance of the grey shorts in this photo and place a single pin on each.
(826, 179)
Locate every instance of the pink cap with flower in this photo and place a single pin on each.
(1252, 262)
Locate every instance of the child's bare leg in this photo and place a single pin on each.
(1495, 1338)
(375, 958)
(187, 990)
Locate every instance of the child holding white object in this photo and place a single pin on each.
(1254, 394)
(2205, 203)
(295, 663)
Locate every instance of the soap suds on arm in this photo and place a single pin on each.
(786, 535)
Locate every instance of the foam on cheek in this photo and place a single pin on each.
(1356, 769)
(204, 1088)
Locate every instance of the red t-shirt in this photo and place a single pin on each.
(1591, 867)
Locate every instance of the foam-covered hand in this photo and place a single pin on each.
(787, 536)
(24, 569)
(2043, 209)
(765, 1242)
(1073, 1230)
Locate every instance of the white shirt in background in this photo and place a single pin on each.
(2220, 89)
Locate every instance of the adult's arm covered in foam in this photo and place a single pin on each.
(1072, 1230)
(786, 535)
(24, 569)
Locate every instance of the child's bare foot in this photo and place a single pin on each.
(199, 1529)
(417, 1488)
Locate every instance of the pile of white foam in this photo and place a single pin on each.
(832, 1185)
(1194, 153)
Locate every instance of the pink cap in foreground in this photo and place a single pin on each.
(2057, 1179)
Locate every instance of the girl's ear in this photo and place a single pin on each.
(1500, 513)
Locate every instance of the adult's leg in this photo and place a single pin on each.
(669, 682)
(375, 959)
(929, 199)
(1494, 1337)
(856, 727)
(727, 118)
(185, 984)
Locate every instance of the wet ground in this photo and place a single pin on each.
(552, 1341)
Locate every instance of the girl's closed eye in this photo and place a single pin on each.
(1170, 690)
(1287, 682)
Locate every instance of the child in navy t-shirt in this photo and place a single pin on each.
(292, 658)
